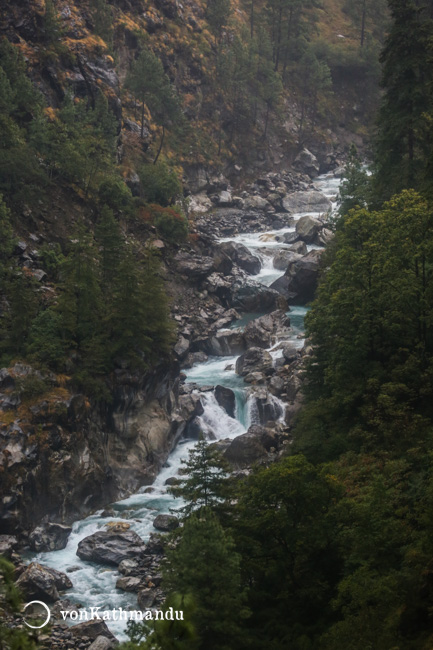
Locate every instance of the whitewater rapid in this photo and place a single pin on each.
(95, 585)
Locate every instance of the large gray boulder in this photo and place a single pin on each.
(282, 259)
(299, 283)
(254, 297)
(92, 630)
(307, 162)
(226, 399)
(254, 360)
(256, 202)
(165, 523)
(249, 448)
(195, 267)
(111, 547)
(308, 229)
(8, 543)
(43, 583)
(225, 343)
(102, 643)
(306, 201)
(240, 255)
(49, 537)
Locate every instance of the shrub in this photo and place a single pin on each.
(116, 194)
(171, 224)
(160, 184)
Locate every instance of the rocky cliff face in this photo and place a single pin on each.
(64, 457)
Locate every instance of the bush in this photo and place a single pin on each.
(171, 224)
(116, 194)
(160, 184)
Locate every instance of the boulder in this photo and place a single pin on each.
(299, 247)
(307, 162)
(282, 260)
(308, 228)
(266, 407)
(226, 399)
(195, 267)
(146, 598)
(49, 537)
(225, 344)
(240, 255)
(256, 202)
(290, 352)
(299, 283)
(225, 199)
(8, 544)
(92, 629)
(181, 348)
(102, 643)
(254, 360)
(110, 547)
(43, 583)
(165, 523)
(306, 201)
(245, 450)
(324, 237)
(254, 297)
(128, 583)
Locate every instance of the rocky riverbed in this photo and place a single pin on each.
(239, 294)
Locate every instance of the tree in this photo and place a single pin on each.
(207, 474)
(217, 15)
(284, 531)
(151, 86)
(370, 17)
(205, 567)
(354, 187)
(403, 145)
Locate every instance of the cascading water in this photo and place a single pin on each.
(95, 585)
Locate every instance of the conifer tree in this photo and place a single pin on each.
(205, 566)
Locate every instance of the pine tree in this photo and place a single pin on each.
(207, 475)
(205, 566)
(355, 186)
(403, 144)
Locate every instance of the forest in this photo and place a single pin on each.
(330, 547)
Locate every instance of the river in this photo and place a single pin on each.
(95, 585)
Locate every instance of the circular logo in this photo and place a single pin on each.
(47, 609)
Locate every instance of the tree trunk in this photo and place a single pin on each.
(160, 145)
(364, 15)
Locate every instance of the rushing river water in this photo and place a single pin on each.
(95, 585)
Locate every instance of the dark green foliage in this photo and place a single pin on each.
(172, 225)
(12, 638)
(403, 142)
(103, 20)
(160, 184)
(47, 346)
(355, 185)
(116, 195)
(206, 482)
(205, 566)
(151, 86)
(217, 15)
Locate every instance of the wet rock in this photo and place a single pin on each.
(308, 201)
(102, 643)
(324, 237)
(41, 582)
(225, 344)
(225, 199)
(146, 598)
(266, 408)
(290, 352)
(181, 348)
(254, 297)
(195, 267)
(8, 543)
(299, 247)
(307, 162)
(308, 228)
(276, 385)
(256, 336)
(166, 523)
(282, 260)
(190, 406)
(241, 256)
(50, 537)
(254, 360)
(128, 583)
(256, 203)
(110, 547)
(128, 567)
(245, 450)
(299, 283)
(92, 630)
(226, 399)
